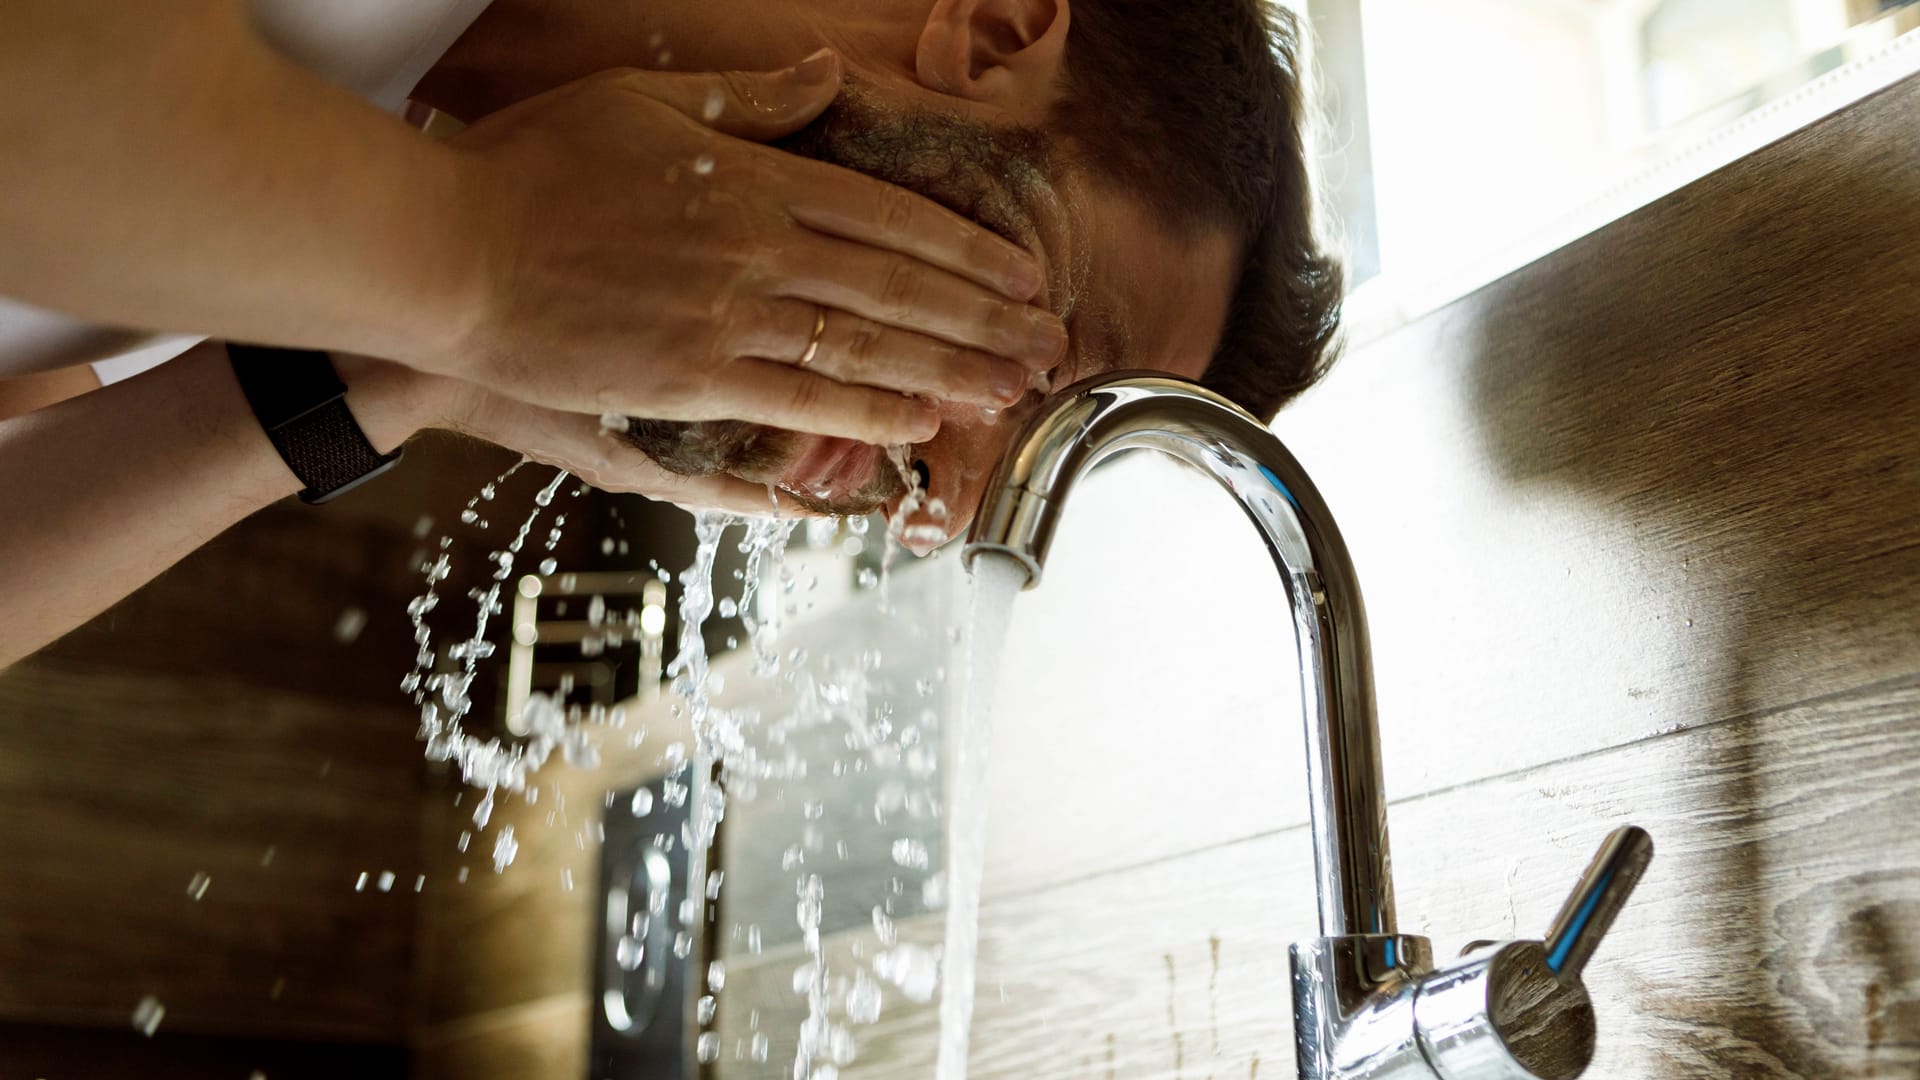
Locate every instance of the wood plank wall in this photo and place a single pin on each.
(217, 722)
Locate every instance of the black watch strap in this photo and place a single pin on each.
(301, 402)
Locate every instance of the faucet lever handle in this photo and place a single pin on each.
(1598, 897)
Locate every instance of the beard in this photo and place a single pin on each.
(998, 177)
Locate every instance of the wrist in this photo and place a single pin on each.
(452, 283)
(391, 403)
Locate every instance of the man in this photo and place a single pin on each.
(1149, 153)
(1149, 157)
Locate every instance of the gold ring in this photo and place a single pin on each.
(813, 345)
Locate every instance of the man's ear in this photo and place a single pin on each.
(994, 50)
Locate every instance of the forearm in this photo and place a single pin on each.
(163, 168)
(107, 490)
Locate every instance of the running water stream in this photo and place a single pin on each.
(996, 582)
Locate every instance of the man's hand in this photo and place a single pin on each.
(392, 403)
(649, 257)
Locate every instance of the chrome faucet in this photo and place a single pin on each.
(1368, 1001)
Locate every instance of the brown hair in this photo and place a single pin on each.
(1197, 107)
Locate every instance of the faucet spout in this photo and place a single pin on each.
(1367, 1000)
(1101, 417)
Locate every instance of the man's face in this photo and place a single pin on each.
(1131, 295)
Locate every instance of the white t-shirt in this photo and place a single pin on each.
(376, 48)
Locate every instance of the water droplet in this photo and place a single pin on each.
(864, 999)
(910, 853)
(915, 970)
(629, 952)
(147, 1015)
(933, 891)
(807, 911)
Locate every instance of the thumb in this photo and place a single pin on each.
(754, 105)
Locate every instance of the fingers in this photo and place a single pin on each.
(904, 293)
(763, 106)
(580, 445)
(760, 106)
(846, 204)
(719, 492)
(856, 350)
(780, 395)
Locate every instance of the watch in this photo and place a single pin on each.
(302, 404)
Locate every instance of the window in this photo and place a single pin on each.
(1462, 139)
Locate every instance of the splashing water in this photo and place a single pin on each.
(996, 582)
(718, 739)
(833, 692)
(443, 696)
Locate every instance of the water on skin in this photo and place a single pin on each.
(996, 581)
